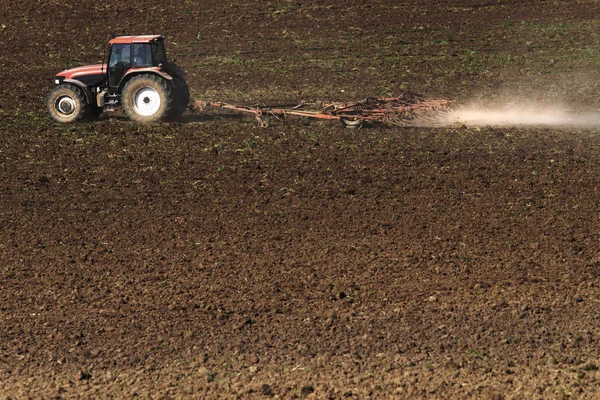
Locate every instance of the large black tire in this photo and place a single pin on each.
(66, 103)
(181, 97)
(147, 98)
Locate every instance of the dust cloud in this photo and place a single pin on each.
(516, 115)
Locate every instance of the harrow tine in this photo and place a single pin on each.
(263, 123)
(407, 109)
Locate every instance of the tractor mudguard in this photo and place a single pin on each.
(89, 97)
(136, 71)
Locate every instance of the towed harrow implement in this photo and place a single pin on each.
(402, 110)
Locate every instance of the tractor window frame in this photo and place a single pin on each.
(119, 63)
(159, 53)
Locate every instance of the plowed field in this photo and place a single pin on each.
(216, 259)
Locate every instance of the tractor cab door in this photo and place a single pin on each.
(119, 63)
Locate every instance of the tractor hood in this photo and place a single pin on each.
(81, 73)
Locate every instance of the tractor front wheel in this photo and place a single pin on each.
(66, 103)
(147, 98)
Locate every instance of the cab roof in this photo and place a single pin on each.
(135, 39)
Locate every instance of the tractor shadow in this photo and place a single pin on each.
(205, 117)
(225, 117)
(290, 121)
(185, 119)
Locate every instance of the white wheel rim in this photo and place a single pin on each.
(146, 101)
(352, 122)
(65, 105)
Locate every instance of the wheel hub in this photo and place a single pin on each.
(146, 101)
(65, 105)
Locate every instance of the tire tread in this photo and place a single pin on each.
(155, 82)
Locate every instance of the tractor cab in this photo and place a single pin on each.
(133, 52)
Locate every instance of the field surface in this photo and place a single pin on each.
(216, 259)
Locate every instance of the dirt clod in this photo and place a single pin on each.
(306, 390)
(266, 390)
(84, 375)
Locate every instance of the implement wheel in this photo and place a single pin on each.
(351, 123)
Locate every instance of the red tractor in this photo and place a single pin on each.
(137, 77)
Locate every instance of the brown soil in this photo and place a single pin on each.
(217, 259)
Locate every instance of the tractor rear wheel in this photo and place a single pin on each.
(181, 97)
(147, 98)
(66, 103)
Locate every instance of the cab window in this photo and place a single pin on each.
(120, 54)
(142, 56)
